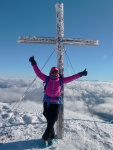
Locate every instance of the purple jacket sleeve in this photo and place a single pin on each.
(41, 75)
(70, 78)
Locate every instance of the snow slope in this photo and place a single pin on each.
(26, 125)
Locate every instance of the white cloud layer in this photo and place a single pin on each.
(79, 95)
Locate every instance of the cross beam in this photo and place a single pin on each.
(52, 40)
(59, 41)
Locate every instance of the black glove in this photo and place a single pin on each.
(31, 59)
(83, 73)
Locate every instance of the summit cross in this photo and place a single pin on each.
(60, 41)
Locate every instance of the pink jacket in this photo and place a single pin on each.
(53, 88)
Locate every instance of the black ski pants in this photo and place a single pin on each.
(51, 114)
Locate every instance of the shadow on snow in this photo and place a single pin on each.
(20, 145)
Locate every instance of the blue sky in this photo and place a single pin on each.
(82, 19)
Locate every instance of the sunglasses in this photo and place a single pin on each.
(54, 72)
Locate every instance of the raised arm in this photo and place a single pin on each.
(74, 77)
(41, 75)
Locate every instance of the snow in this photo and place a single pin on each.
(83, 130)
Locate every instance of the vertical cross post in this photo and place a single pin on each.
(60, 62)
(59, 41)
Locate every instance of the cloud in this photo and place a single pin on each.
(12, 90)
(78, 95)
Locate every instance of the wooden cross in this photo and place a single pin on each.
(59, 40)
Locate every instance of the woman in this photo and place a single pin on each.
(52, 96)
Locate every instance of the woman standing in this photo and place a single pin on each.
(52, 97)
